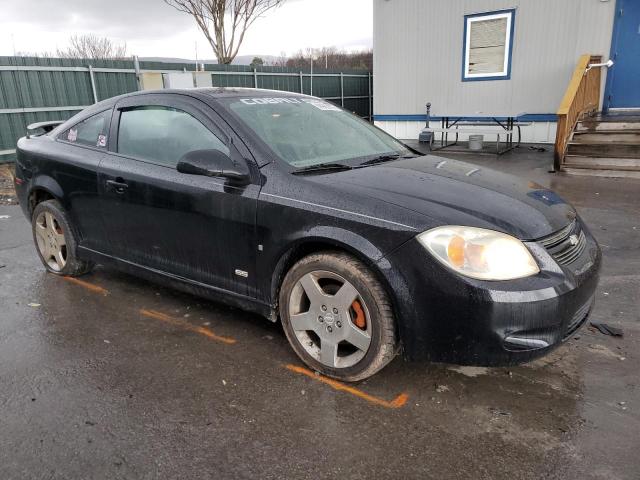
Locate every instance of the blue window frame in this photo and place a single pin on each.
(487, 45)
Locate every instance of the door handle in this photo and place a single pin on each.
(117, 185)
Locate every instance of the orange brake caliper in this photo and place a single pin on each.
(360, 320)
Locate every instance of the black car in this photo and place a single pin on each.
(291, 207)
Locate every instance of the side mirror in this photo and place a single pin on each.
(214, 163)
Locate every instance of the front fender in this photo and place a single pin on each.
(312, 240)
(343, 238)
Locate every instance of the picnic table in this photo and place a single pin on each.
(508, 121)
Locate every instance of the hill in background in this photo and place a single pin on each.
(239, 60)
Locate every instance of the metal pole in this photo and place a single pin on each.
(301, 83)
(370, 99)
(255, 78)
(93, 85)
(136, 67)
(311, 79)
(341, 89)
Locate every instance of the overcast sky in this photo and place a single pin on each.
(151, 28)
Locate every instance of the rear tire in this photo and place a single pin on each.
(337, 316)
(56, 240)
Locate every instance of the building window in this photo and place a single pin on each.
(488, 41)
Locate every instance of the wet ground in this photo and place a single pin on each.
(7, 194)
(113, 377)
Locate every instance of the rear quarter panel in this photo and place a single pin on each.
(66, 172)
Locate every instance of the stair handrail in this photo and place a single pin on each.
(581, 97)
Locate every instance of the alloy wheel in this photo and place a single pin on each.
(51, 241)
(330, 319)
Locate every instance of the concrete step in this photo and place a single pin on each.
(614, 127)
(602, 163)
(601, 173)
(615, 117)
(602, 167)
(603, 149)
(628, 137)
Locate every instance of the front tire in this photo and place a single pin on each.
(337, 316)
(56, 240)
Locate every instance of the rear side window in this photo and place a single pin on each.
(163, 135)
(91, 132)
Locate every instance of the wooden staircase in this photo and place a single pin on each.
(604, 145)
(589, 143)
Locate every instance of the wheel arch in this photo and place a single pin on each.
(329, 239)
(43, 188)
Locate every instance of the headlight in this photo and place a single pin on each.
(480, 253)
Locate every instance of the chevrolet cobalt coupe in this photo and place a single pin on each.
(291, 207)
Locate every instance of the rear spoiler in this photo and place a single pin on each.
(45, 127)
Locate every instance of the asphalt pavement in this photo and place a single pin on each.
(109, 376)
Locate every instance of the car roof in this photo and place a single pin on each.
(223, 92)
(209, 92)
(202, 93)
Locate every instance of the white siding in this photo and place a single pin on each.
(536, 132)
(418, 48)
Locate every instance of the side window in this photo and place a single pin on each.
(163, 135)
(91, 132)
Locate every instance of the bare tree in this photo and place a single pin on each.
(92, 46)
(280, 61)
(35, 54)
(224, 22)
(332, 58)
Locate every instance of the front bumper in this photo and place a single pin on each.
(445, 317)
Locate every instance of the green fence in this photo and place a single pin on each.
(40, 89)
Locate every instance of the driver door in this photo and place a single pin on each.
(194, 227)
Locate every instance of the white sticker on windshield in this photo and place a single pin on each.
(320, 104)
(268, 100)
(72, 135)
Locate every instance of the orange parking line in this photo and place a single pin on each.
(186, 325)
(397, 402)
(89, 286)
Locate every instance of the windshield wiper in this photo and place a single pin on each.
(326, 167)
(385, 158)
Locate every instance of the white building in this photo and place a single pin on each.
(495, 58)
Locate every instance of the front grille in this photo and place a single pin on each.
(567, 244)
(573, 251)
(578, 319)
(558, 237)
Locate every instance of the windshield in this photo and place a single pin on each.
(307, 131)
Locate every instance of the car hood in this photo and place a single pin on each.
(449, 192)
